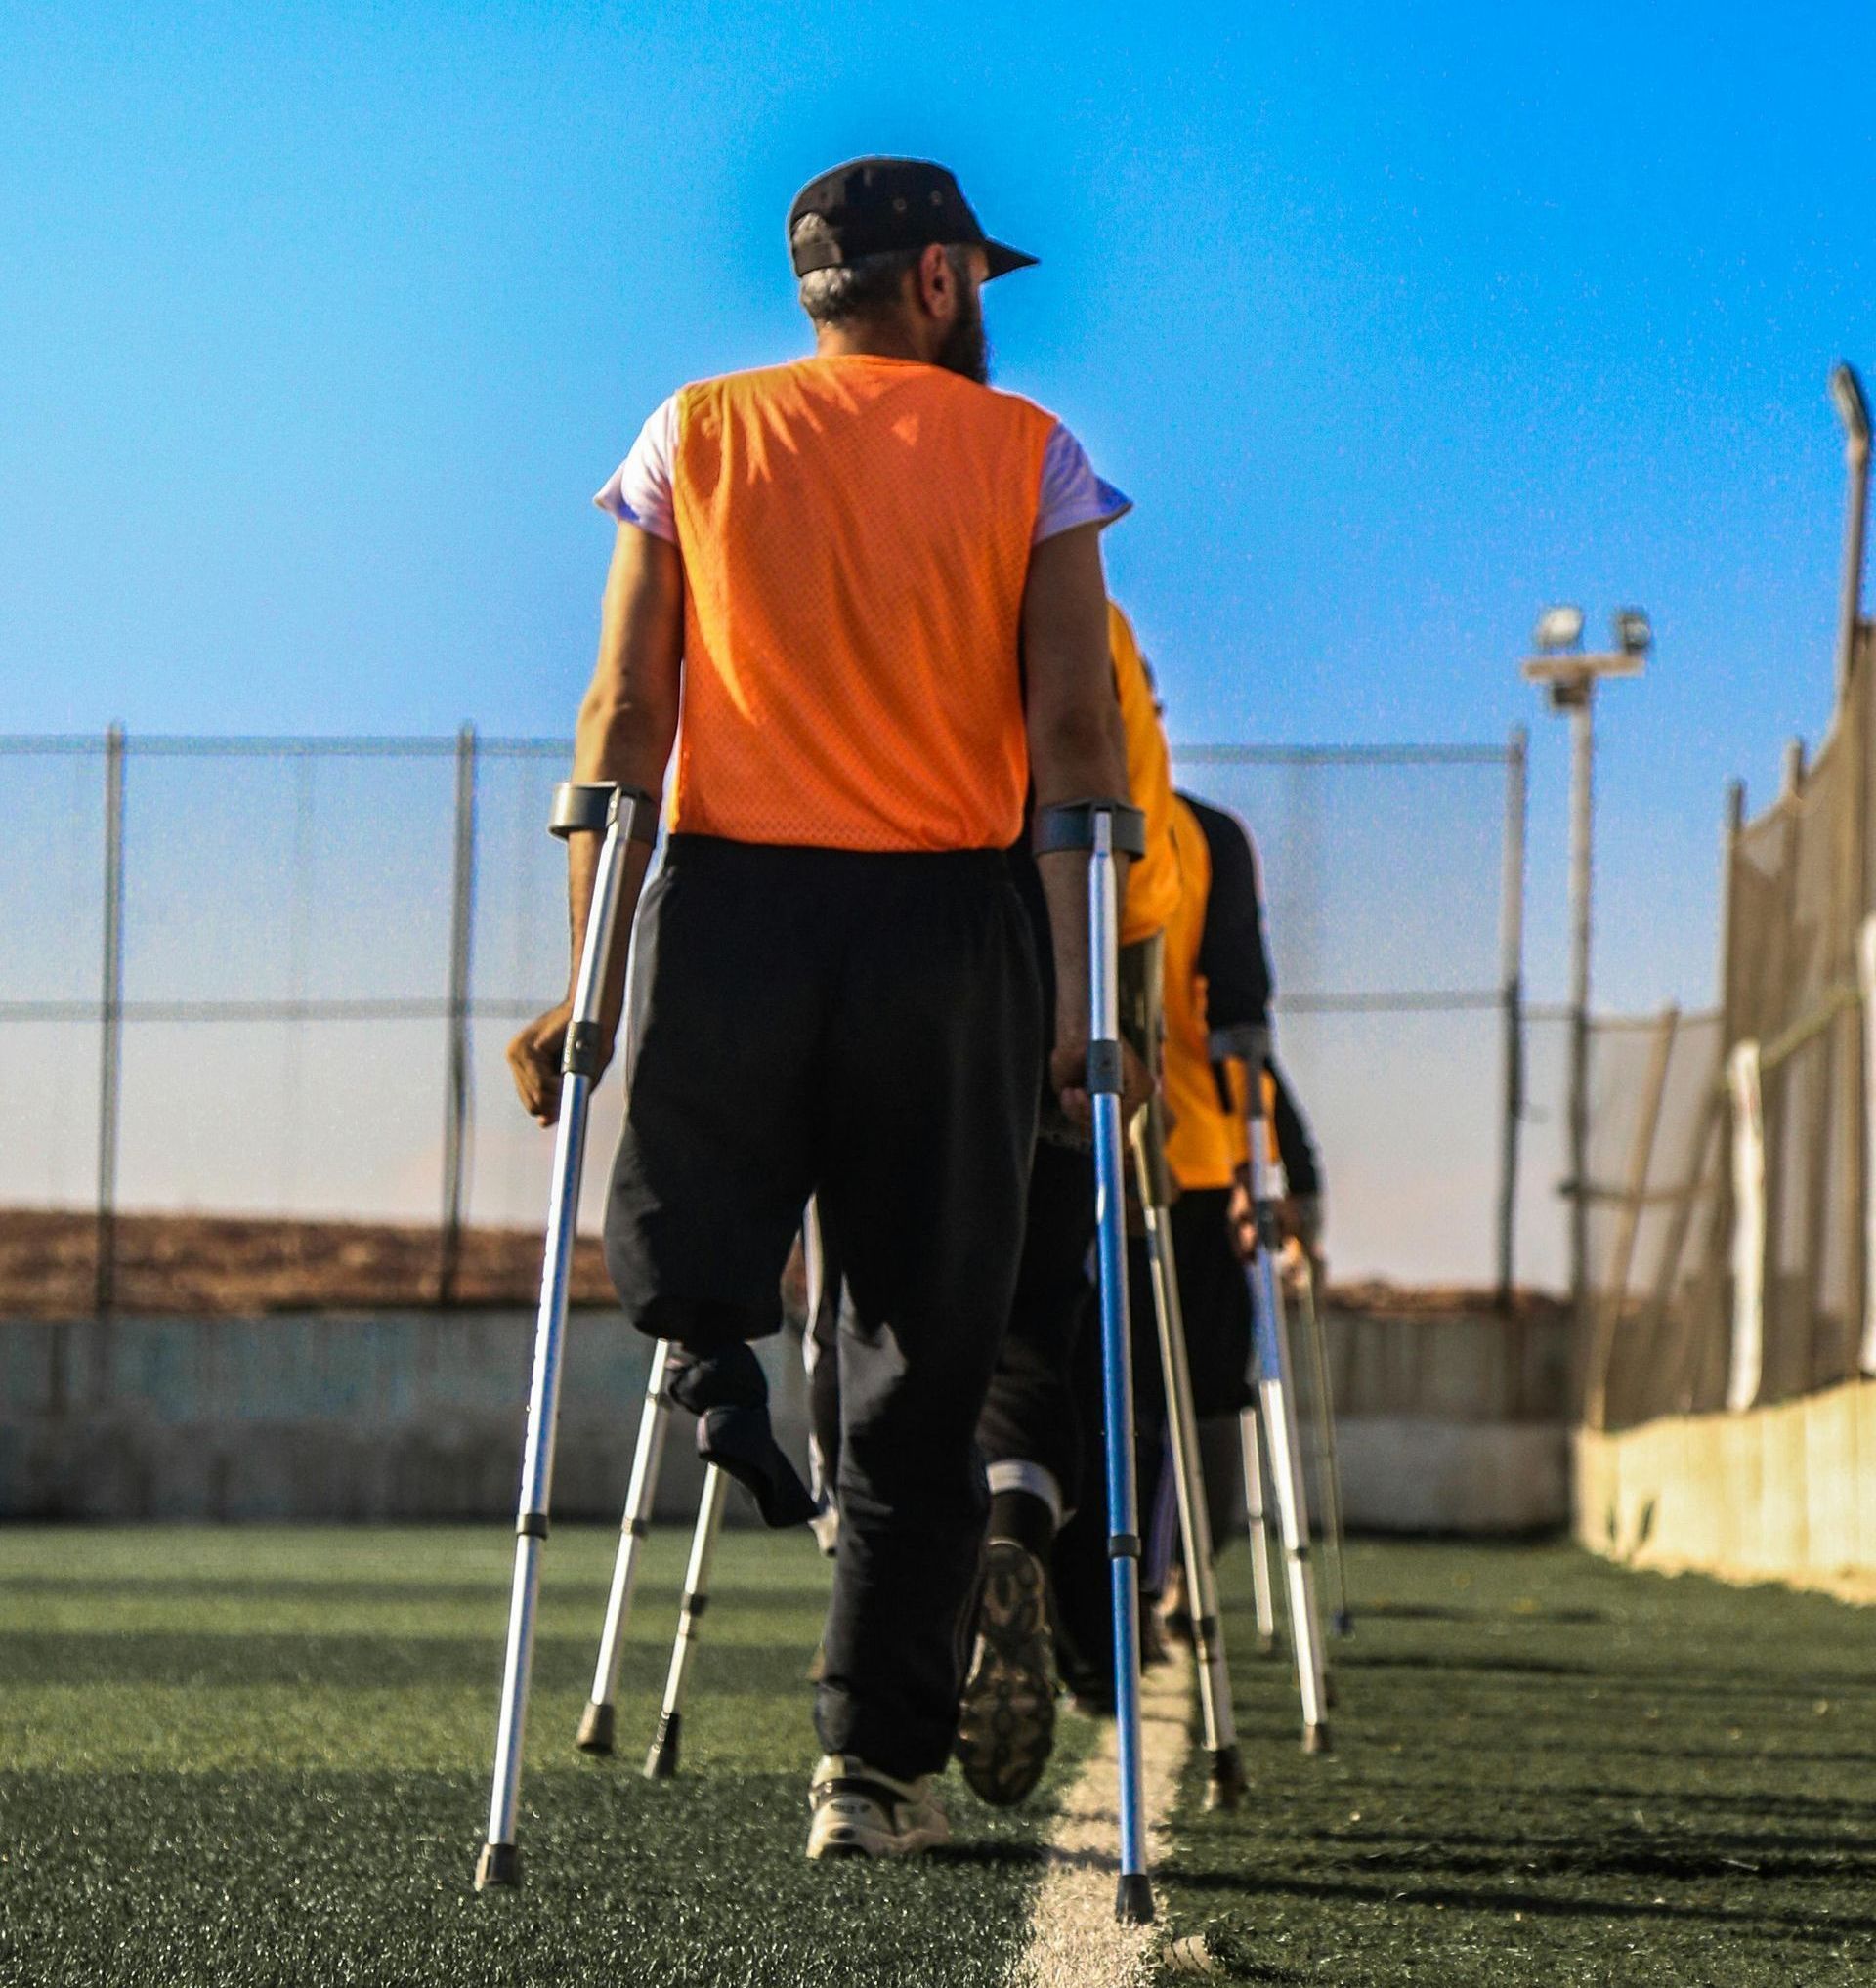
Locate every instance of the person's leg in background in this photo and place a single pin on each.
(1032, 1435)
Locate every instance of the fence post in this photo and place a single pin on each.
(1748, 1226)
(1510, 945)
(1609, 1314)
(456, 1108)
(111, 1023)
(1866, 986)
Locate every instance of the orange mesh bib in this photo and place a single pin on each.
(855, 534)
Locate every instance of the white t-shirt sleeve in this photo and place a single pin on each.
(639, 490)
(1072, 493)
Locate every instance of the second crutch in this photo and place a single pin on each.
(1303, 1269)
(1276, 1388)
(1105, 829)
(623, 816)
(1226, 1780)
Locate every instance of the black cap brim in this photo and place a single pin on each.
(1003, 259)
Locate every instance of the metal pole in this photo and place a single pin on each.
(1133, 1895)
(455, 1102)
(111, 1015)
(1582, 806)
(1510, 940)
(660, 1762)
(1847, 389)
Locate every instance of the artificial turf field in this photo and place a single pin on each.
(261, 1757)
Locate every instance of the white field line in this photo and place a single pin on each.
(1073, 1941)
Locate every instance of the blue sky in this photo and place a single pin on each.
(318, 325)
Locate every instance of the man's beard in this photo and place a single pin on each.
(966, 346)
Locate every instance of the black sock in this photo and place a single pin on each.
(1022, 1517)
(732, 1376)
(741, 1442)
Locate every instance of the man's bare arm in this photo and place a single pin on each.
(1077, 753)
(626, 725)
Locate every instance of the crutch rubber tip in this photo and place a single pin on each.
(1342, 1624)
(498, 1865)
(661, 1763)
(1316, 1738)
(1266, 1646)
(595, 1734)
(1228, 1781)
(1133, 1899)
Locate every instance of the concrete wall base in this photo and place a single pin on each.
(1785, 1493)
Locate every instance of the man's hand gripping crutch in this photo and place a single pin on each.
(1275, 1380)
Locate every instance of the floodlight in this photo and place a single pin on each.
(1632, 634)
(1853, 409)
(1558, 628)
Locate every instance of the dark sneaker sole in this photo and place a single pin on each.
(1007, 1713)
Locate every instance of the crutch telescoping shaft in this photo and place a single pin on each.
(1225, 1781)
(1328, 1467)
(1104, 829)
(595, 1735)
(623, 816)
(1257, 1529)
(661, 1761)
(597, 1726)
(1276, 1389)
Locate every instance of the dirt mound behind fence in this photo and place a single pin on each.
(236, 1266)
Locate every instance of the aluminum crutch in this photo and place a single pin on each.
(1276, 1391)
(1328, 1464)
(1226, 1780)
(1257, 1529)
(626, 815)
(1105, 828)
(596, 1723)
(660, 1762)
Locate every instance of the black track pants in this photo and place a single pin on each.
(866, 1028)
(1031, 1412)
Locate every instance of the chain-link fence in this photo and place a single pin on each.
(1732, 1233)
(269, 982)
(1395, 881)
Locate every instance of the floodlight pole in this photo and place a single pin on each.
(1582, 830)
(1571, 679)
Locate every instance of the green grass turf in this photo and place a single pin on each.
(1549, 1770)
(262, 1756)
(259, 1757)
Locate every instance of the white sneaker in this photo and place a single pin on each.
(861, 1812)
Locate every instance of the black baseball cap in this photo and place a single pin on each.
(871, 206)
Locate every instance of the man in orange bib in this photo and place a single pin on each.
(862, 594)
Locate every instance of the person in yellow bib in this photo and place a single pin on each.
(870, 587)
(1217, 977)
(1041, 1426)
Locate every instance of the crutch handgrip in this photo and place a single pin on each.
(589, 807)
(1070, 825)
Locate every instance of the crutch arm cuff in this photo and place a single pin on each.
(587, 808)
(1070, 825)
